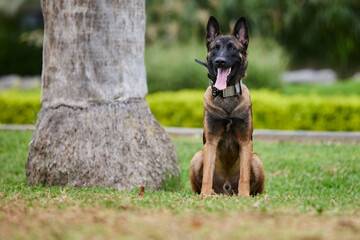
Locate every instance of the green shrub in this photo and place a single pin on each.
(267, 62)
(300, 112)
(19, 106)
(183, 108)
(271, 109)
(171, 68)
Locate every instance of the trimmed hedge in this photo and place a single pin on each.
(271, 110)
(19, 106)
(183, 108)
(300, 112)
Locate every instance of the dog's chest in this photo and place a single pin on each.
(229, 126)
(227, 155)
(228, 149)
(232, 131)
(236, 126)
(228, 105)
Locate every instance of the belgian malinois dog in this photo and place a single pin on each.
(227, 164)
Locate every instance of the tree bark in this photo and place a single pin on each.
(95, 127)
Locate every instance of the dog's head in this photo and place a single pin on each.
(227, 54)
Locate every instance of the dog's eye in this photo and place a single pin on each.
(216, 48)
(232, 48)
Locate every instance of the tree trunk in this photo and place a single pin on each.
(95, 127)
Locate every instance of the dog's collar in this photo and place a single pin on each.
(227, 92)
(230, 91)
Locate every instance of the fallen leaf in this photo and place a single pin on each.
(196, 224)
(142, 191)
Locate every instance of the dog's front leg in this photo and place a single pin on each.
(209, 166)
(245, 168)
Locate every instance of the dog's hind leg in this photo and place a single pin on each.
(257, 177)
(196, 171)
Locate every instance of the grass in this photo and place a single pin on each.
(312, 192)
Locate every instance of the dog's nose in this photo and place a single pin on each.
(220, 61)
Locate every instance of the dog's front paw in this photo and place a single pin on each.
(244, 194)
(208, 193)
(244, 190)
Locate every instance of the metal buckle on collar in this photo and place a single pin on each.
(215, 92)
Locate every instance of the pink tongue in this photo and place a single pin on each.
(221, 78)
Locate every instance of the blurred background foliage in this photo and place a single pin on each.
(315, 33)
(284, 34)
(21, 32)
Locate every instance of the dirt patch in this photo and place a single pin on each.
(20, 221)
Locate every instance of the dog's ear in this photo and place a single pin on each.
(212, 30)
(241, 31)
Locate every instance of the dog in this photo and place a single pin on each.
(227, 164)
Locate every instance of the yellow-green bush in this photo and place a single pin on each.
(182, 108)
(299, 112)
(19, 106)
(271, 109)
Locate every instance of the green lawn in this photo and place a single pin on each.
(312, 192)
